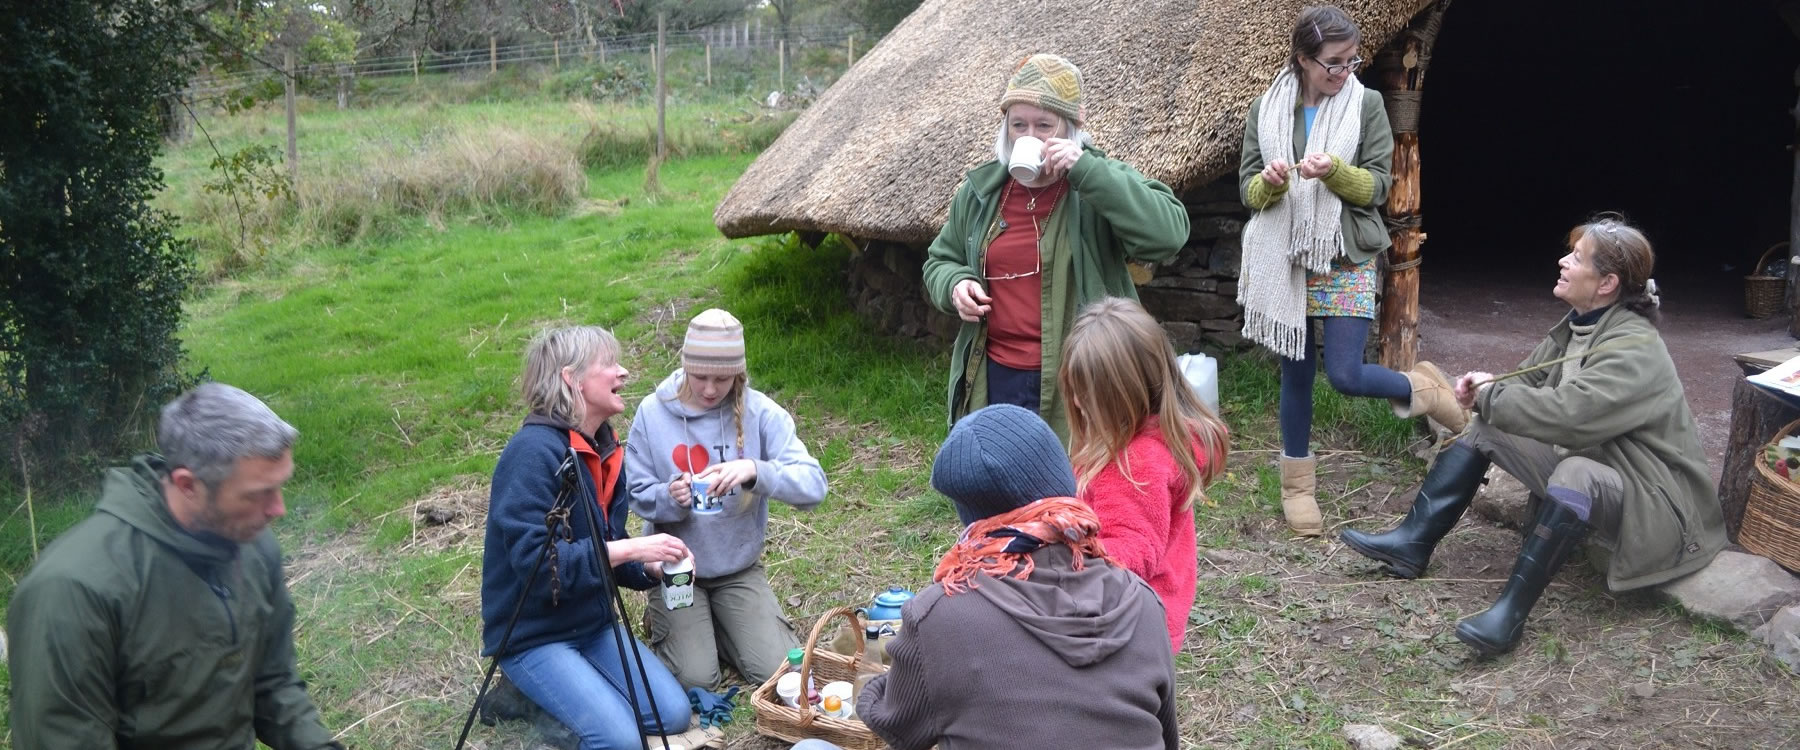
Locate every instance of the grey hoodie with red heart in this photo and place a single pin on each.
(669, 438)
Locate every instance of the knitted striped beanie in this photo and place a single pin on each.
(714, 345)
(1047, 82)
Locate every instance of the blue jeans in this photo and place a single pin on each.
(582, 684)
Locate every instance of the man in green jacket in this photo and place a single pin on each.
(162, 620)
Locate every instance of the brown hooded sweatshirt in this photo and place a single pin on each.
(1065, 659)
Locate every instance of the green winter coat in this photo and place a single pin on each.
(1111, 214)
(1625, 409)
(130, 632)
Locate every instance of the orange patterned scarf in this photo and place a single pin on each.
(1000, 545)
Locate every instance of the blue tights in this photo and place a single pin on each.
(1344, 369)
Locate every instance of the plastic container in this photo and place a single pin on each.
(787, 687)
(1202, 373)
(795, 657)
(845, 695)
(678, 584)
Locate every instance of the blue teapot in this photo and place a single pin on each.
(887, 604)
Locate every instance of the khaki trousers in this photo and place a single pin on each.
(1540, 466)
(734, 617)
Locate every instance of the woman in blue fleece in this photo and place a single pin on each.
(563, 651)
(706, 427)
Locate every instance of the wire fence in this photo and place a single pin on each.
(554, 52)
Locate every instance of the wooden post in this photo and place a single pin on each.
(850, 52)
(662, 90)
(293, 141)
(493, 54)
(415, 66)
(1403, 75)
(556, 53)
(781, 66)
(603, 52)
(709, 65)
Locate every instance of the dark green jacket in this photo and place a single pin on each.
(1365, 234)
(1625, 409)
(1111, 214)
(132, 633)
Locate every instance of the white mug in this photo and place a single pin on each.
(1027, 158)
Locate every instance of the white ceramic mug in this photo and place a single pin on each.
(1027, 158)
(704, 503)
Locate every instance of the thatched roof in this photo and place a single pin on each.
(1168, 83)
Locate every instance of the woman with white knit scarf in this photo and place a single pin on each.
(1315, 167)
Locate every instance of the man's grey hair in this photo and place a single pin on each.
(210, 427)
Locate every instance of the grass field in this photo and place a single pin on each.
(397, 353)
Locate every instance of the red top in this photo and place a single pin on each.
(1016, 320)
(1143, 526)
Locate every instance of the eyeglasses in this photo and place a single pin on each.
(1354, 65)
(1036, 230)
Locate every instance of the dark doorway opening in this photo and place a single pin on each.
(1539, 113)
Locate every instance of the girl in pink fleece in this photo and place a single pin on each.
(1143, 445)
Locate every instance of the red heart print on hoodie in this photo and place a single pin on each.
(691, 459)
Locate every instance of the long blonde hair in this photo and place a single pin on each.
(685, 392)
(1118, 371)
(575, 348)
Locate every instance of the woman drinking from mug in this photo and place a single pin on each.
(1029, 242)
(1596, 425)
(565, 649)
(1316, 159)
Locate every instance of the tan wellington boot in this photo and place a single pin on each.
(1297, 502)
(1433, 397)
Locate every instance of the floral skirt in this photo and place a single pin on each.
(1347, 290)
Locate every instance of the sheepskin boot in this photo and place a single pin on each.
(1433, 397)
(1297, 501)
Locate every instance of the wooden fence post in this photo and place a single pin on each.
(293, 143)
(850, 52)
(709, 64)
(493, 54)
(556, 52)
(781, 66)
(1403, 79)
(415, 66)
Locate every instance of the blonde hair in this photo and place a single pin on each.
(739, 382)
(572, 348)
(1118, 371)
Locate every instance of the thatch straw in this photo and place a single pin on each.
(1167, 82)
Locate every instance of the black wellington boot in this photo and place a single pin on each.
(1442, 498)
(1498, 629)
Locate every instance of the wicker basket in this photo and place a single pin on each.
(1764, 295)
(1771, 525)
(781, 721)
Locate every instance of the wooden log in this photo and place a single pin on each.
(1755, 418)
(1400, 298)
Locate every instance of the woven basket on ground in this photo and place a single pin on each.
(1763, 295)
(1771, 526)
(781, 721)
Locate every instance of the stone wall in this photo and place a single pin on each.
(1194, 295)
